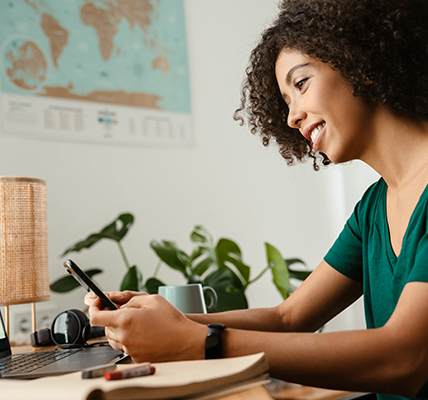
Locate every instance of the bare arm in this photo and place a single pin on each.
(323, 295)
(391, 359)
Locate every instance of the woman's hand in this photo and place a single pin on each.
(148, 328)
(120, 299)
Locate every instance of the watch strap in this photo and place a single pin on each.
(213, 342)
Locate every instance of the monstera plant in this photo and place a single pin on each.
(219, 265)
(115, 231)
(222, 267)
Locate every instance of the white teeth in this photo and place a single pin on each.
(317, 130)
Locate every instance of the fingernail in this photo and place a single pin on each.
(89, 300)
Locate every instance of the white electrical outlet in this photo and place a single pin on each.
(20, 320)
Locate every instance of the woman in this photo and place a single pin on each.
(332, 80)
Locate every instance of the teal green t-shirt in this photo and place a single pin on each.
(363, 252)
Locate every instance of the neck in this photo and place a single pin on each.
(398, 148)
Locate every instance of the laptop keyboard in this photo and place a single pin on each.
(28, 362)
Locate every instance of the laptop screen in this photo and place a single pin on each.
(4, 342)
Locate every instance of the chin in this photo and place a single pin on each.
(337, 158)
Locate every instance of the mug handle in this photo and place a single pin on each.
(213, 297)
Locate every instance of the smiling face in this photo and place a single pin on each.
(322, 106)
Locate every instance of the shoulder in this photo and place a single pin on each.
(371, 197)
(374, 190)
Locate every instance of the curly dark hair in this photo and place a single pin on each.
(379, 46)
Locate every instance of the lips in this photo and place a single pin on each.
(316, 131)
(312, 133)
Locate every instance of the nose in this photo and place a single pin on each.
(295, 116)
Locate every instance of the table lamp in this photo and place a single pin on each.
(24, 272)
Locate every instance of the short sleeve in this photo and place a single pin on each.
(419, 272)
(345, 255)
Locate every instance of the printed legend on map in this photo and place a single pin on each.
(59, 119)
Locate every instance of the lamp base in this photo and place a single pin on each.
(33, 317)
(6, 317)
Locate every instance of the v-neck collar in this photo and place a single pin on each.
(393, 258)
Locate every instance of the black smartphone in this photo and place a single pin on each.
(88, 284)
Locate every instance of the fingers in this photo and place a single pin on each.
(111, 335)
(89, 298)
(125, 296)
(101, 317)
(117, 297)
(113, 340)
(141, 301)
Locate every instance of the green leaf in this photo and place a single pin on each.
(228, 252)
(229, 288)
(152, 285)
(202, 266)
(132, 280)
(171, 255)
(291, 261)
(201, 235)
(300, 275)
(116, 231)
(83, 244)
(67, 283)
(195, 279)
(119, 227)
(280, 273)
(203, 257)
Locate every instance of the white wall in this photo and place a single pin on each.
(226, 181)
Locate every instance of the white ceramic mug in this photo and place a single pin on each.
(189, 299)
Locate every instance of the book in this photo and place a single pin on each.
(197, 379)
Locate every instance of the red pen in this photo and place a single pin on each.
(130, 373)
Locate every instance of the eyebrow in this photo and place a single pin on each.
(290, 73)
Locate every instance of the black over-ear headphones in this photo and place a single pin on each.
(70, 328)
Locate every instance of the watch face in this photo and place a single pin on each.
(213, 342)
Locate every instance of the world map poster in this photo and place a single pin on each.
(96, 70)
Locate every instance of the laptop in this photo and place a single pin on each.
(54, 362)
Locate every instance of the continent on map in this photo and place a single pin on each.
(57, 35)
(31, 4)
(27, 67)
(105, 20)
(105, 25)
(161, 63)
(135, 12)
(101, 96)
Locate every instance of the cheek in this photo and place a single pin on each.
(348, 111)
(317, 104)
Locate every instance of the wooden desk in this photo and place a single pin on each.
(295, 392)
(277, 390)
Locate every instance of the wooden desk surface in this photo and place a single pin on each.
(277, 390)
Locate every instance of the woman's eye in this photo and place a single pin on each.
(300, 84)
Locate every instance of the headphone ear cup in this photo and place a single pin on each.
(85, 326)
(70, 328)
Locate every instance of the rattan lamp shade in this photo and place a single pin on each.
(24, 272)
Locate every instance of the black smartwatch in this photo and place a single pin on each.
(213, 342)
